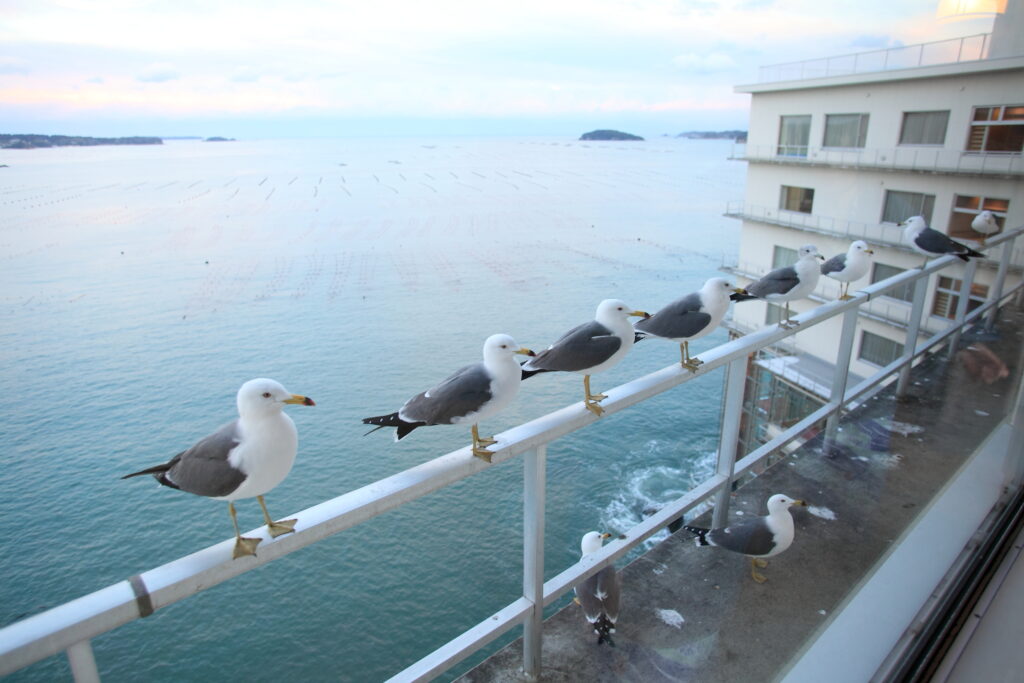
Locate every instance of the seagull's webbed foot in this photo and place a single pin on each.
(483, 454)
(480, 444)
(789, 324)
(245, 546)
(594, 407)
(845, 297)
(591, 400)
(760, 578)
(285, 526)
(691, 364)
(760, 563)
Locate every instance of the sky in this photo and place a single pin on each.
(313, 68)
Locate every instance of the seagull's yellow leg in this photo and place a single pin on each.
(760, 578)
(760, 562)
(285, 526)
(243, 546)
(786, 322)
(690, 364)
(591, 400)
(480, 445)
(846, 292)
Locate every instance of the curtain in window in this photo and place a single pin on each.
(879, 350)
(900, 206)
(846, 130)
(924, 128)
(794, 133)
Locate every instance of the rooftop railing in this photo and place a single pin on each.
(923, 159)
(70, 627)
(950, 51)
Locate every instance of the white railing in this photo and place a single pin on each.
(881, 234)
(950, 51)
(69, 627)
(908, 158)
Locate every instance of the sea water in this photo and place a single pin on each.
(141, 286)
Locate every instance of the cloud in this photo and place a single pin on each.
(869, 41)
(158, 73)
(13, 65)
(245, 75)
(704, 64)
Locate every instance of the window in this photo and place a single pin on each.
(966, 207)
(845, 130)
(997, 129)
(899, 206)
(773, 314)
(796, 199)
(874, 348)
(881, 271)
(783, 256)
(924, 127)
(947, 297)
(794, 134)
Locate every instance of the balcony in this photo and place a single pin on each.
(874, 506)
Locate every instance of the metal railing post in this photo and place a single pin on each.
(842, 372)
(83, 663)
(913, 326)
(534, 480)
(961, 305)
(735, 382)
(997, 292)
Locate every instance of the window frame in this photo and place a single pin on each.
(960, 228)
(926, 211)
(985, 125)
(862, 133)
(908, 289)
(903, 129)
(864, 338)
(802, 195)
(800, 150)
(948, 293)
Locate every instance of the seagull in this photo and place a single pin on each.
(599, 594)
(756, 538)
(470, 394)
(849, 267)
(985, 223)
(691, 317)
(789, 282)
(930, 242)
(590, 348)
(242, 459)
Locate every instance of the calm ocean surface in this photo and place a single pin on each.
(142, 285)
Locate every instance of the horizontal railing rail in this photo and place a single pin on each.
(922, 158)
(949, 51)
(71, 626)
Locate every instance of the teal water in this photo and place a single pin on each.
(142, 285)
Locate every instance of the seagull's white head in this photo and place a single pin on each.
(809, 251)
(914, 224)
(592, 542)
(780, 502)
(263, 396)
(860, 246)
(613, 309)
(499, 346)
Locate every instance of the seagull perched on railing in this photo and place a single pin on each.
(590, 348)
(243, 459)
(690, 317)
(789, 283)
(756, 538)
(849, 267)
(470, 394)
(930, 242)
(599, 594)
(986, 224)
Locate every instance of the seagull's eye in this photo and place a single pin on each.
(266, 394)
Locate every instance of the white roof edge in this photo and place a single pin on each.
(933, 71)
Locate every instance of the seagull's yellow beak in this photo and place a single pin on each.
(641, 314)
(868, 251)
(606, 535)
(738, 290)
(525, 352)
(300, 400)
(802, 503)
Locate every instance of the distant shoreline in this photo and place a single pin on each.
(33, 141)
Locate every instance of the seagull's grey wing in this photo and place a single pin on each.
(778, 281)
(834, 264)
(935, 242)
(679, 319)
(580, 348)
(599, 595)
(460, 394)
(752, 537)
(204, 469)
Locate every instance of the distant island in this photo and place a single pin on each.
(219, 139)
(738, 135)
(609, 135)
(32, 141)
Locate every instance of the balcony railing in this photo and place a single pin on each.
(69, 627)
(951, 51)
(880, 234)
(920, 159)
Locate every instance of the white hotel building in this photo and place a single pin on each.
(846, 147)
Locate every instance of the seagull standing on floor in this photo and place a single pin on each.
(470, 394)
(849, 267)
(690, 317)
(243, 459)
(756, 538)
(590, 348)
(789, 283)
(599, 594)
(930, 242)
(986, 224)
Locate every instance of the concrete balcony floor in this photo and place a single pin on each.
(892, 458)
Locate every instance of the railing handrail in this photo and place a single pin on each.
(67, 626)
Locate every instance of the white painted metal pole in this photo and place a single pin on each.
(83, 663)
(735, 381)
(842, 372)
(961, 305)
(534, 480)
(916, 311)
(997, 293)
